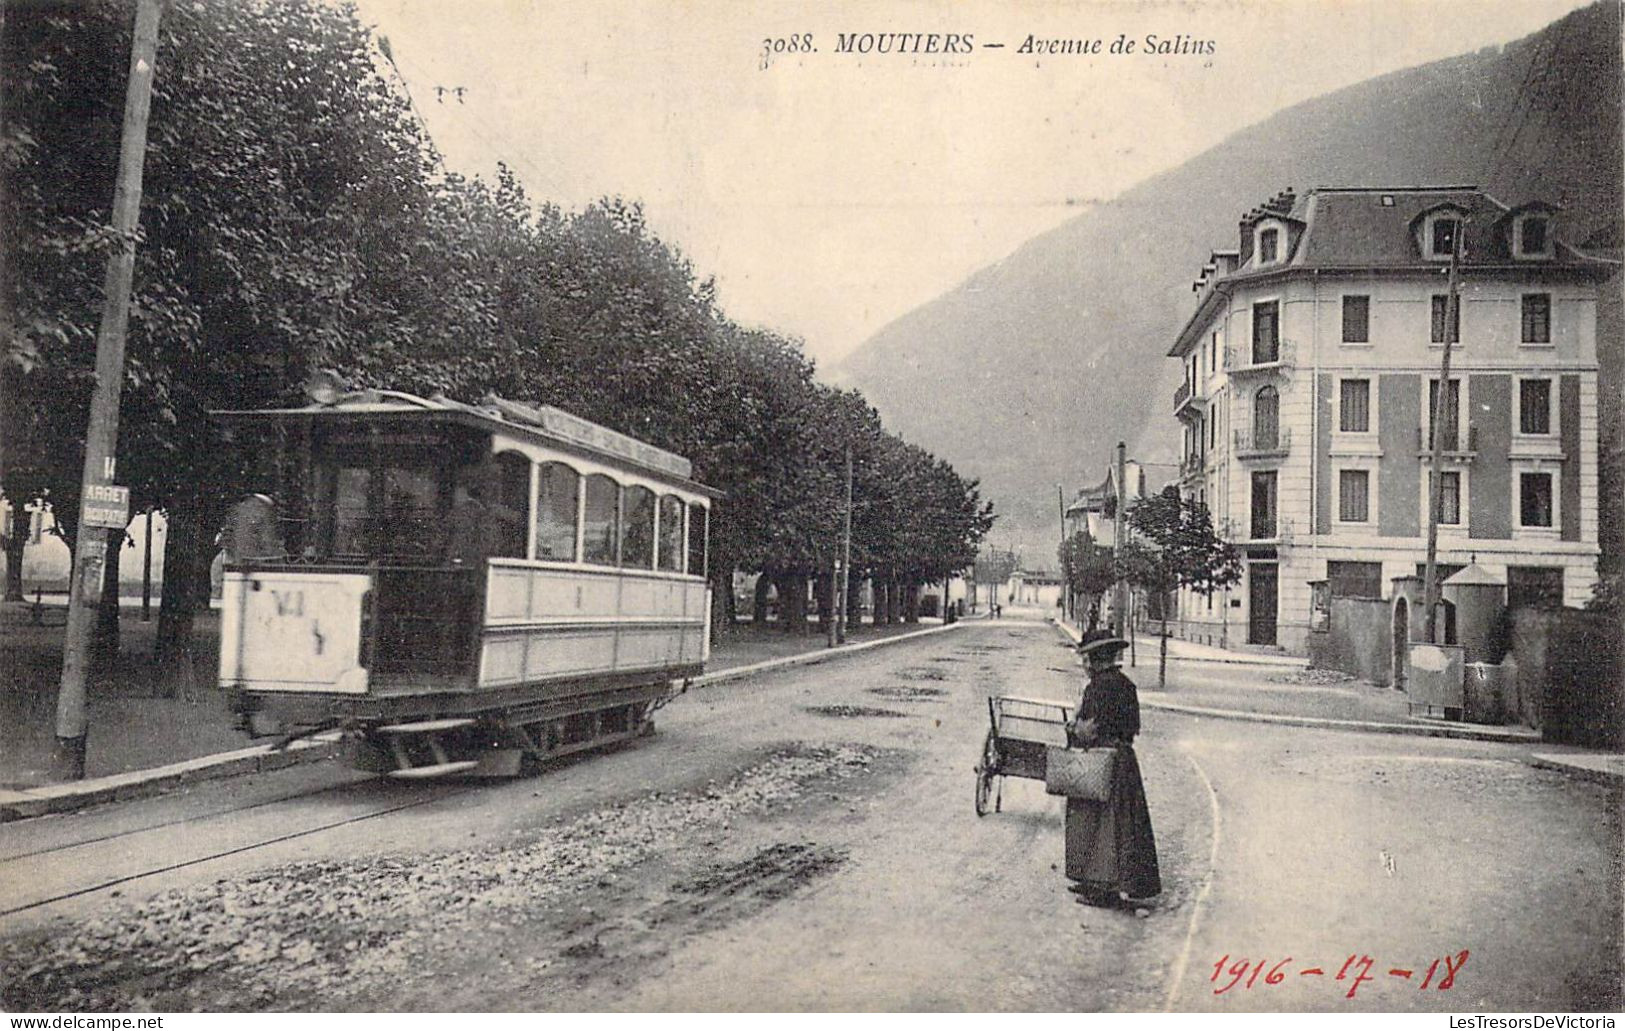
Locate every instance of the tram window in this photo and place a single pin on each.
(638, 532)
(556, 512)
(671, 533)
(601, 525)
(510, 507)
(351, 486)
(411, 510)
(697, 527)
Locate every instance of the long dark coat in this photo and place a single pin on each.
(1109, 845)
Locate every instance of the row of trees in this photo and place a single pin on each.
(1171, 546)
(295, 216)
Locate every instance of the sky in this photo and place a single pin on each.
(829, 193)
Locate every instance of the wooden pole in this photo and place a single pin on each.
(1119, 529)
(146, 573)
(1441, 407)
(101, 437)
(846, 550)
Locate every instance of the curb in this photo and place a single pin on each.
(722, 676)
(1508, 737)
(1324, 723)
(1566, 765)
(122, 787)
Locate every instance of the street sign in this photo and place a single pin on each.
(106, 505)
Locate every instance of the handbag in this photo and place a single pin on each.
(1084, 773)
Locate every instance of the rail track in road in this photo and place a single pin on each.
(51, 869)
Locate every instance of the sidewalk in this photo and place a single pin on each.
(141, 744)
(1283, 691)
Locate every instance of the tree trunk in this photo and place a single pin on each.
(824, 599)
(758, 608)
(911, 603)
(16, 544)
(187, 551)
(722, 604)
(1162, 660)
(854, 603)
(104, 641)
(894, 601)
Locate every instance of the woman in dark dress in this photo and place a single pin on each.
(1111, 853)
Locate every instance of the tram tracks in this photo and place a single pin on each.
(47, 876)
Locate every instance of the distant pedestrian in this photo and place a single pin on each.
(1111, 852)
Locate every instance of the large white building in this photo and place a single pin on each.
(1311, 362)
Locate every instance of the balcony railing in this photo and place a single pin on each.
(1240, 359)
(1453, 449)
(1192, 465)
(1263, 445)
(1186, 399)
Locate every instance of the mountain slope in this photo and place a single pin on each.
(1029, 372)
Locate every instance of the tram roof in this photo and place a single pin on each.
(543, 423)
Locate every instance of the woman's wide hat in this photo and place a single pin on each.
(1101, 642)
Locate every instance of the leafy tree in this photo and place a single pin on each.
(1175, 547)
(1088, 571)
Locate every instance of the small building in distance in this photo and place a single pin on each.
(1311, 367)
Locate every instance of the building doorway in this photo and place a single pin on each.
(1262, 602)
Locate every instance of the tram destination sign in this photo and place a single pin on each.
(106, 504)
(580, 431)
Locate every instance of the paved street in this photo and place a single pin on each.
(806, 840)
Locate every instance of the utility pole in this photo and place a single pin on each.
(1118, 530)
(1068, 608)
(101, 437)
(1441, 408)
(844, 580)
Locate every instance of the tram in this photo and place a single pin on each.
(458, 587)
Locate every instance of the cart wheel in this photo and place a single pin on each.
(986, 770)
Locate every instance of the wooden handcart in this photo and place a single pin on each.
(1019, 732)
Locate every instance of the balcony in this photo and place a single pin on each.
(1239, 359)
(1186, 400)
(1452, 451)
(1251, 445)
(1192, 466)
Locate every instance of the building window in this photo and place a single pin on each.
(1535, 499)
(1537, 318)
(1532, 240)
(1441, 304)
(1535, 406)
(1263, 508)
(1213, 353)
(1266, 332)
(1443, 570)
(1540, 586)
(1448, 419)
(1449, 500)
(1354, 495)
(1354, 406)
(1356, 319)
(556, 512)
(1355, 579)
(1444, 236)
(1213, 431)
(1269, 246)
(1266, 417)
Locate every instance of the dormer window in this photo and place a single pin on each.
(1532, 236)
(1269, 246)
(1442, 236)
